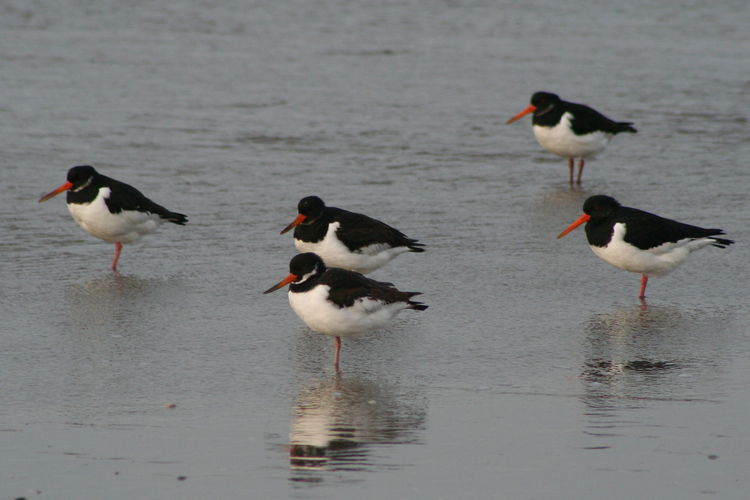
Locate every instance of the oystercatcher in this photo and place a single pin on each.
(639, 241)
(346, 239)
(570, 130)
(339, 302)
(111, 210)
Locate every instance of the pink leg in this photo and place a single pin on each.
(118, 249)
(337, 346)
(571, 163)
(580, 172)
(644, 280)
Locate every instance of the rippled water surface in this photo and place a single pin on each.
(534, 374)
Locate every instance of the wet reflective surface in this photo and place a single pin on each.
(535, 372)
(342, 424)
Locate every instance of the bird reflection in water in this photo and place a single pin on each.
(338, 422)
(636, 357)
(627, 349)
(115, 303)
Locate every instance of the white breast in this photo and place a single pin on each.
(325, 317)
(124, 227)
(656, 261)
(336, 254)
(561, 140)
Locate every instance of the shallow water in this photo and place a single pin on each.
(535, 373)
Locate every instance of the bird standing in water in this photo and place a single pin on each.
(341, 303)
(346, 239)
(111, 210)
(570, 130)
(638, 241)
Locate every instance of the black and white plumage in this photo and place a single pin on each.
(347, 240)
(339, 302)
(111, 210)
(570, 130)
(638, 241)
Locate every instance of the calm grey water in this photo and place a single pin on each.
(534, 374)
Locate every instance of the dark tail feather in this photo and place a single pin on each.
(721, 242)
(625, 127)
(413, 304)
(175, 217)
(414, 246)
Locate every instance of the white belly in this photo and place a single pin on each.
(124, 227)
(336, 254)
(561, 140)
(324, 317)
(656, 261)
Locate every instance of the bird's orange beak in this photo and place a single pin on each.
(580, 220)
(523, 113)
(57, 191)
(296, 222)
(282, 283)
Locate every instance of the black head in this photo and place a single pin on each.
(306, 263)
(596, 209)
(301, 268)
(541, 103)
(78, 180)
(81, 175)
(600, 205)
(543, 100)
(311, 207)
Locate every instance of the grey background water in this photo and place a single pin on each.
(535, 373)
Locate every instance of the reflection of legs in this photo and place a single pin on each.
(337, 346)
(118, 249)
(580, 172)
(571, 164)
(644, 280)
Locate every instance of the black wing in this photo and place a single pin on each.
(348, 286)
(587, 120)
(358, 230)
(125, 197)
(650, 230)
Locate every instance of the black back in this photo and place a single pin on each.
(644, 230)
(550, 108)
(345, 286)
(355, 230)
(87, 182)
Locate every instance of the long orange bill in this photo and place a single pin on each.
(57, 191)
(523, 113)
(296, 222)
(580, 220)
(282, 283)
